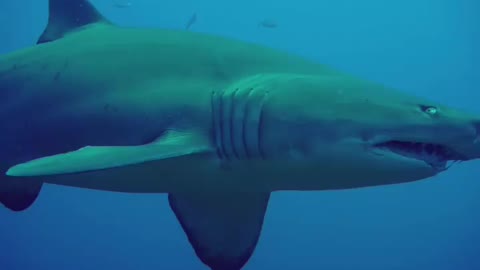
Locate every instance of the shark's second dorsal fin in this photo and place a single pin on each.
(67, 16)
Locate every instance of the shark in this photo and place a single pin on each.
(217, 124)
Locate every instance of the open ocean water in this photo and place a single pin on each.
(427, 47)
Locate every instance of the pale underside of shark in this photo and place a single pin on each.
(217, 124)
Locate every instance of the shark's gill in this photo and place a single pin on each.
(236, 121)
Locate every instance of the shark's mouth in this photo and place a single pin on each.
(435, 155)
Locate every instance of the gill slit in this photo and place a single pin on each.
(260, 124)
(231, 120)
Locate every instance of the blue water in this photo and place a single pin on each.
(428, 47)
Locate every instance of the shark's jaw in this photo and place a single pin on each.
(437, 156)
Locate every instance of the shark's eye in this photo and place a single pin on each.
(431, 110)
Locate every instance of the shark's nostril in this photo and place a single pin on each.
(476, 125)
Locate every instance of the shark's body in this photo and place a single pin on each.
(84, 94)
(216, 123)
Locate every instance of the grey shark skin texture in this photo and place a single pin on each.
(216, 123)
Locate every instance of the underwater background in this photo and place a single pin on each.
(427, 47)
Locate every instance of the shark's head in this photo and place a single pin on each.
(360, 130)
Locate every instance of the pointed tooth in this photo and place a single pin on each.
(449, 163)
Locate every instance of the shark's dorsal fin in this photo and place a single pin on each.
(67, 16)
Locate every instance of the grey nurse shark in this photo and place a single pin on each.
(217, 124)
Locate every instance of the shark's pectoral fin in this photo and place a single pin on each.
(90, 158)
(67, 16)
(223, 228)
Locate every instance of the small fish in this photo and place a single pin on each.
(122, 4)
(268, 24)
(191, 21)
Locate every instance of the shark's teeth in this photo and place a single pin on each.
(435, 155)
(450, 163)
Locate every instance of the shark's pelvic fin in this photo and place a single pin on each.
(18, 195)
(67, 16)
(223, 228)
(90, 158)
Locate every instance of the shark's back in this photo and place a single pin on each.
(153, 53)
(99, 66)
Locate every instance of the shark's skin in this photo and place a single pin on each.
(100, 93)
(224, 123)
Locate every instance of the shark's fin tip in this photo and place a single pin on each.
(18, 195)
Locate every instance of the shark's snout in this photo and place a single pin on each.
(469, 146)
(474, 151)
